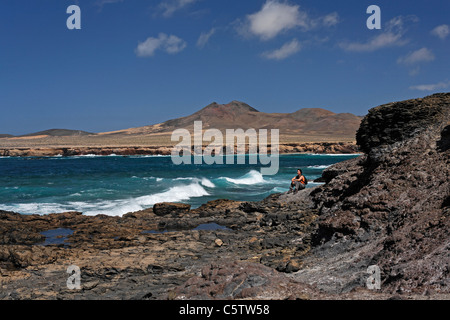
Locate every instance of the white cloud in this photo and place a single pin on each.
(276, 17)
(170, 44)
(421, 55)
(431, 87)
(169, 7)
(204, 38)
(101, 3)
(330, 19)
(441, 31)
(390, 37)
(381, 41)
(148, 47)
(174, 44)
(285, 51)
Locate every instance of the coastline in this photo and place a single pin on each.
(388, 209)
(284, 148)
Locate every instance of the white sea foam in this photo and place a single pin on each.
(252, 177)
(110, 208)
(319, 166)
(77, 194)
(149, 156)
(174, 194)
(207, 183)
(35, 208)
(87, 156)
(113, 207)
(204, 181)
(146, 178)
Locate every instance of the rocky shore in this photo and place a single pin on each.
(319, 147)
(148, 254)
(389, 208)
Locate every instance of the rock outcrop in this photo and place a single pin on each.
(389, 207)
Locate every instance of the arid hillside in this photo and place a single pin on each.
(309, 125)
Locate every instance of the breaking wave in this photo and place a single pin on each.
(252, 177)
(112, 207)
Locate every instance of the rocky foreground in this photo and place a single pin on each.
(389, 208)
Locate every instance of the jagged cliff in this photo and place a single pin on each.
(389, 207)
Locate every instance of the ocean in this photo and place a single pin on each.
(115, 185)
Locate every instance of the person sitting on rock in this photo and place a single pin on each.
(299, 182)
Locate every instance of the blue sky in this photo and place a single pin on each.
(137, 62)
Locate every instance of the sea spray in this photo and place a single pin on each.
(253, 177)
(174, 194)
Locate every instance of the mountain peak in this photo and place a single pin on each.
(240, 105)
(239, 115)
(236, 107)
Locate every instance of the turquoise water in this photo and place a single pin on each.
(115, 185)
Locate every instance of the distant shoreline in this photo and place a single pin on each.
(286, 148)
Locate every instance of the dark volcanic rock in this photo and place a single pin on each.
(162, 209)
(400, 121)
(390, 207)
(145, 256)
(241, 280)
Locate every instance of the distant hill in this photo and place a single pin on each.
(6, 136)
(59, 133)
(303, 125)
(236, 114)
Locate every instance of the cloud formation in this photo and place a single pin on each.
(285, 51)
(391, 36)
(431, 87)
(101, 3)
(330, 19)
(170, 44)
(169, 7)
(421, 55)
(441, 31)
(204, 38)
(277, 17)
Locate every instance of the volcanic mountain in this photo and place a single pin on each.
(306, 130)
(236, 114)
